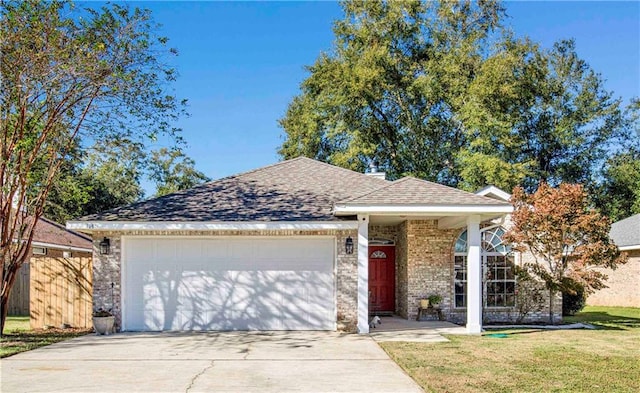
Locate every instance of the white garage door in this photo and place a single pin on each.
(228, 284)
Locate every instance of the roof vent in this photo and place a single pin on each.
(373, 171)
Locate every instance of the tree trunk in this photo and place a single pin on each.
(551, 296)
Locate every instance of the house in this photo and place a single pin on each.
(50, 240)
(301, 245)
(624, 282)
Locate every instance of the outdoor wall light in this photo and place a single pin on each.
(348, 245)
(105, 246)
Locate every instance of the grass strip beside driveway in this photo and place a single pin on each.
(18, 337)
(607, 359)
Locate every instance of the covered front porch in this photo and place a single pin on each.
(424, 219)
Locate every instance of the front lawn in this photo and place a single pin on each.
(18, 336)
(607, 359)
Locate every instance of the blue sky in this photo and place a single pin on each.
(241, 63)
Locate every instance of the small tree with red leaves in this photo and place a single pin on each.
(566, 237)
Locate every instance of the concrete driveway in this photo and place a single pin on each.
(208, 362)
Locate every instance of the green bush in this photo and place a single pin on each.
(574, 301)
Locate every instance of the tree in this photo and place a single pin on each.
(108, 176)
(391, 87)
(565, 237)
(617, 193)
(173, 171)
(536, 115)
(618, 196)
(442, 91)
(70, 77)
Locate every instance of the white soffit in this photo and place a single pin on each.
(494, 192)
(433, 210)
(94, 226)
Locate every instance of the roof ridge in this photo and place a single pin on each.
(391, 183)
(190, 189)
(341, 169)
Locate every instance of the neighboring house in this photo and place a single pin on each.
(301, 245)
(624, 282)
(50, 240)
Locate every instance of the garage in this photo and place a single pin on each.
(228, 283)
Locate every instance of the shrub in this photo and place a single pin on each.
(573, 301)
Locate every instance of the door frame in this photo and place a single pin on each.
(392, 245)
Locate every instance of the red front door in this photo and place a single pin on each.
(382, 279)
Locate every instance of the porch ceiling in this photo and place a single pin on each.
(444, 221)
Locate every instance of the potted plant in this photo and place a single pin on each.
(435, 300)
(103, 321)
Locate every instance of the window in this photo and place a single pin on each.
(500, 282)
(498, 268)
(460, 280)
(38, 250)
(378, 255)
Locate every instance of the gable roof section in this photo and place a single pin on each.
(626, 233)
(300, 189)
(412, 191)
(50, 234)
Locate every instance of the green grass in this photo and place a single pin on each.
(16, 324)
(608, 317)
(18, 336)
(606, 359)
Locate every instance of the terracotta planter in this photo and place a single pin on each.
(424, 303)
(103, 325)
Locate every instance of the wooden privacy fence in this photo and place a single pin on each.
(60, 292)
(19, 297)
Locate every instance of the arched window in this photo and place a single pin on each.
(498, 268)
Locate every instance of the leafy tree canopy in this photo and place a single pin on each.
(172, 170)
(70, 78)
(566, 238)
(442, 91)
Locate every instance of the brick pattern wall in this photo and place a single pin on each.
(429, 260)
(623, 285)
(107, 269)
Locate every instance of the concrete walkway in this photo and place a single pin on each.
(207, 362)
(399, 329)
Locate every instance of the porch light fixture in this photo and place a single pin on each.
(348, 245)
(105, 246)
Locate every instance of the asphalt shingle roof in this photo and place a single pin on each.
(47, 231)
(300, 189)
(626, 232)
(412, 191)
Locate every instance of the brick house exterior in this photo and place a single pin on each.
(623, 284)
(303, 199)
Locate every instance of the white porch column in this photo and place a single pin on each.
(363, 274)
(474, 276)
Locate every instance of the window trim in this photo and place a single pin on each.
(461, 240)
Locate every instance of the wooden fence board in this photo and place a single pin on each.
(19, 297)
(61, 292)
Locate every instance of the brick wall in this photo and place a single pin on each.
(623, 285)
(429, 261)
(107, 269)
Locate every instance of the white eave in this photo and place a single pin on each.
(60, 246)
(629, 248)
(439, 210)
(102, 226)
